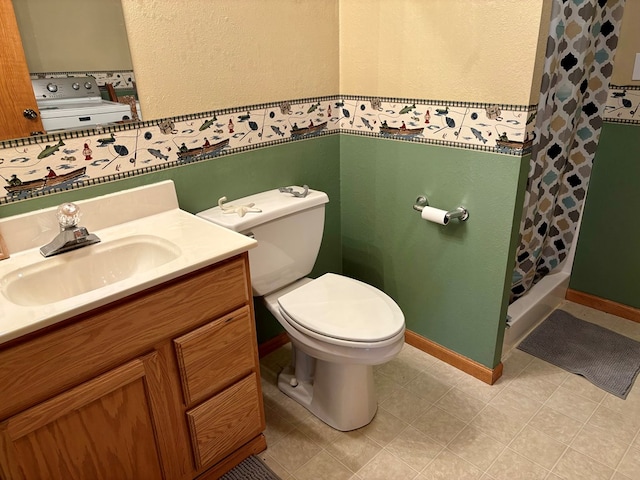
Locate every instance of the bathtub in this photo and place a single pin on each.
(529, 310)
(533, 307)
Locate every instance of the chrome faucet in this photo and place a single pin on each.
(71, 236)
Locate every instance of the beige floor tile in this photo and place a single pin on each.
(515, 362)
(282, 405)
(572, 405)
(384, 385)
(428, 387)
(385, 466)
(538, 447)
(476, 447)
(448, 466)
(514, 403)
(323, 466)
(318, 431)
(553, 436)
(445, 372)
(414, 447)
(415, 357)
(353, 449)
(439, 425)
(630, 464)
(547, 371)
(460, 405)
(384, 427)
(277, 427)
(512, 466)
(553, 476)
(274, 465)
(294, 450)
(497, 425)
(629, 407)
(574, 465)
(607, 450)
(556, 425)
(613, 424)
(533, 385)
(583, 387)
(620, 476)
(400, 369)
(405, 405)
(479, 389)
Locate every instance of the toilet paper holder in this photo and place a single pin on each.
(460, 212)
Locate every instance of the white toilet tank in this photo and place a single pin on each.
(288, 230)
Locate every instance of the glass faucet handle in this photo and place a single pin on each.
(68, 215)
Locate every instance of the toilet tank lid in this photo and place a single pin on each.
(272, 203)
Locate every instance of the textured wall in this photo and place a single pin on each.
(473, 50)
(197, 55)
(628, 45)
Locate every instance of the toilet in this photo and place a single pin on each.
(339, 327)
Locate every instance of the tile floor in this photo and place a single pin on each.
(435, 422)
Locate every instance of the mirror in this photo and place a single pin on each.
(73, 37)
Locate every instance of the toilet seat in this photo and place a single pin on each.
(343, 311)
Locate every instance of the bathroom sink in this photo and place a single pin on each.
(50, 280)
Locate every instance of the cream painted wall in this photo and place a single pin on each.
(628, 45)
(197, 55)
(471, 50)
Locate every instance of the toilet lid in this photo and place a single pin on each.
(343, 308)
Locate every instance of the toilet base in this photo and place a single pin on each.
(341, 395)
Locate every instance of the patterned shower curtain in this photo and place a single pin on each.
(583, 37)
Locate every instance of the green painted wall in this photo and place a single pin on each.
(450, 281)
(315, 162)
(607, 262)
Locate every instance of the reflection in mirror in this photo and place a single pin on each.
(84, 39)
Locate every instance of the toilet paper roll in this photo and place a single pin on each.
(435, 215)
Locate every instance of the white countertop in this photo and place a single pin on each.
(201, 244)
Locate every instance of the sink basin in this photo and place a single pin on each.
(73, 273)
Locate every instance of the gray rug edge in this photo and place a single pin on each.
(247, 470)
(528, 345)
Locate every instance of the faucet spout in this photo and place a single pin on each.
(68, 239)
(71, 236)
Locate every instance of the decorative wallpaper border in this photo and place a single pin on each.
(622, 104)
(42, 165)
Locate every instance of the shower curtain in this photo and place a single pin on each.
(583, 36)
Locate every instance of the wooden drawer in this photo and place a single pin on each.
(226, 422)
(216, 355)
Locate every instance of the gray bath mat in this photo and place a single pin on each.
(607, 359)
(251, 468)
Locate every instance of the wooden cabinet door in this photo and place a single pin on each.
(16, 91)
(102, 429)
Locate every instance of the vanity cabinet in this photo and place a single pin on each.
(161, 384)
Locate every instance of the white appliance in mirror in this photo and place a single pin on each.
(75, 103)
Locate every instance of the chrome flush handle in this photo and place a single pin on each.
(294, 193)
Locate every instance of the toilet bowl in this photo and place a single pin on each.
(331, 372)
(339, 327)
